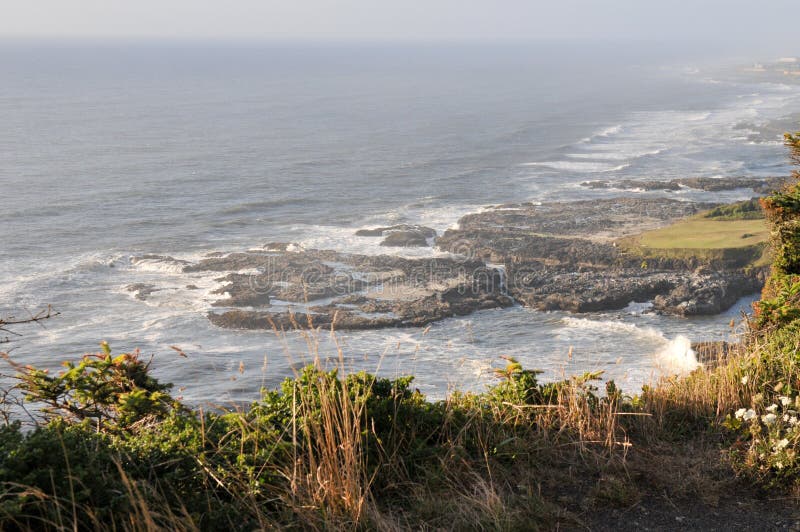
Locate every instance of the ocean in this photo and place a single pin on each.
(109, 151)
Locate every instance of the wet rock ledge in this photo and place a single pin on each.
(707, 184)
(566, 256)
(314, 288)
(557, 256)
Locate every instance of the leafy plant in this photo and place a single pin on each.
(113, 392)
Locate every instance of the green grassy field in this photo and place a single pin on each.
(704, 233)
(731, 240)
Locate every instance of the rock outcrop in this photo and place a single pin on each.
(563, 256)
(707, 184)
(403, 235)
(557, 256)
(349, 291)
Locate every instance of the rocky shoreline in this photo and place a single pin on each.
(564, 257)
(556, 256)
(348, 291)
(707, 184)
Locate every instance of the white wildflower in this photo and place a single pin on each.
(782, 444)
(785, 401)
(779, 465)
(785, 418)
(739, 413)
(749, 414)
(744, 379)
(769, 419)
(772, 408)
(793, 420)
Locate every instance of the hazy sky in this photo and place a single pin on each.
(771, 22)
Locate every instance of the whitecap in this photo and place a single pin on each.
(614, 326)
(616, 155)
(580, 167)
(157, 264)
(604, 133)
(699, 117)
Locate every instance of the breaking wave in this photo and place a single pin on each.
(580, 167)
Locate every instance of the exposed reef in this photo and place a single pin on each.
(349, 291)
(569, 256)
(403, 235)
(707, 184)
(566, 256)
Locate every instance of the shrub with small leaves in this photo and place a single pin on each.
(113, 392)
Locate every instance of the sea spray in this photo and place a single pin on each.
(677, 357)
(674, 356)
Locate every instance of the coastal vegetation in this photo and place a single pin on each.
(105, 445)
(704, 233)
(731, 234)
(742, 210)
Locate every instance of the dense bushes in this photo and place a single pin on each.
(115, 449)
(743, 210)
(765, 426)
(779, 302)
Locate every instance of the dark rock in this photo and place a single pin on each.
(707, 294)
(364, 291)
(405, 239)
(142, 290)
(545, 289)
(277, 246)
(371, 315)
(219, 262)
(578, 219)
(634, 184)
(427, 232)
(166, 259)
(242, 292)
(558, 257)
(712, 354)
(716, 184)
(708, 184)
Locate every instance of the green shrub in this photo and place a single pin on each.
(112, 392)
(743, 210)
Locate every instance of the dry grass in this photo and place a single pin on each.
(330, 470)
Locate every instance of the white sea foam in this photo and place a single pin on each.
(698, 117)
(43, 273)
(160, 264)
(677, 356)
(580, 167)
(621, 155)
(682, 139)
(638, 308)
(671, 356)
(344, 239)
(614, 327)
(604, 133)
